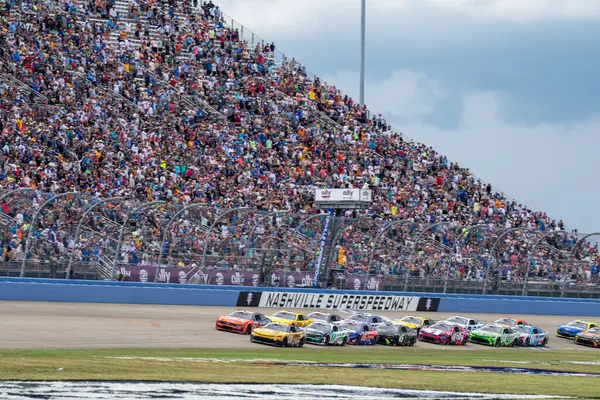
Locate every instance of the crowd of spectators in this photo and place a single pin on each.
(158, 100)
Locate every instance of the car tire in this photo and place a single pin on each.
(413, 341)
(464, 341)
(302, 341)
(344, 341)
(327, 339)
(248, 330)
(447, 341)
(526, 342)
(544, 342)
(497, 343)
(374, 340)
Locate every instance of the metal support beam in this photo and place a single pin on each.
(122, 232)
(532, 255)
(78, 230)
(166, 230)
(34, 222)
(212, 226)
(363, 34)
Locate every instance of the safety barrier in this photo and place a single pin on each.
(25, 289)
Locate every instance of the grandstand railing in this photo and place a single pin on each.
(389, 254)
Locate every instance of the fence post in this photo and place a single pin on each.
(165, 232)
(122, 232)
(32, 226)
(78, 230)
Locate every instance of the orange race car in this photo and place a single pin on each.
(241, 321)
(510, 322)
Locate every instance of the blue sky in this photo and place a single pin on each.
(508, 88)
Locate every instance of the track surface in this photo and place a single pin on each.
(28, 325)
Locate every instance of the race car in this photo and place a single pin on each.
(444, 333)
(325, 334)
(415, 323)
(466, 322)
(241, 321)
(324, 317)
(495, 335)
(359, 333)
(363, 318)
(531, 335)
(396, 335)
(570, 330)
(590, 337)
(279, 335)
(510, 322)
(290, 318)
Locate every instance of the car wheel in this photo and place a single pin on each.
(248, 329)
(464, 341)
(545, 342)
(526, 342)
(448, 340)
(498, 342)
(344, 341)
(302, 341)
(413, 341)
(374, 341)
(327, 339)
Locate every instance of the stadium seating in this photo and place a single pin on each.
(156, 101)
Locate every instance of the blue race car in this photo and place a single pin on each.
(570, 330)
(531, 335)
(359, 333)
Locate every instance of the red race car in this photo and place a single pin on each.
(241, 321)
(444, 333)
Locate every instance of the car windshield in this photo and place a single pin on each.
(360, 318)
(241, 314)
(350, 327)
(459, 320)
(492, 329)
(442, 327)
(277, 327)
(577, 324)
(522, 329)
(388, 328)
(411, 320)
(285, 315)
(506, 321)
(319, 327)
(317, 316)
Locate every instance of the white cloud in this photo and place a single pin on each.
(310, 18)
(405, 94)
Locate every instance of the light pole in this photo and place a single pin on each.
(363, 28)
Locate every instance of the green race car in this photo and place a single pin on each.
(325, 334)
(495, 335)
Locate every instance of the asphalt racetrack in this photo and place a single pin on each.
(36, 325)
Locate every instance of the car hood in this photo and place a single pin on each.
(315, 332)
(485, 334)
(436, 332)
(268, 332)
(569, 328)
(234, 320)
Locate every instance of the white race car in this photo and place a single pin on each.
(469, 324)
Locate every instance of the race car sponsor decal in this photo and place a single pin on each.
(249, 299)
(428, 304)
(340, 301)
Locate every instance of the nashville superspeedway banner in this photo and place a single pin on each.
(362, 302)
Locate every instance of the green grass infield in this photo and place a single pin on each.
(219, 365)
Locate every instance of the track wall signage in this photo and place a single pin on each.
(337, 301)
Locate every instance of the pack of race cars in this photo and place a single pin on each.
(293, 329)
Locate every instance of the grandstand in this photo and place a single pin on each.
(162, 141)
